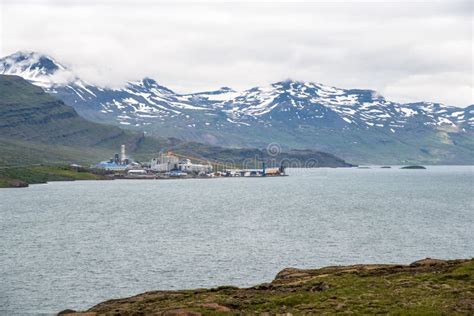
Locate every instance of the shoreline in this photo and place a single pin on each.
(428, 286)
(22, 177)
(54, 173)
(14, 182)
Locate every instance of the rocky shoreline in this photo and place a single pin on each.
(428, 286)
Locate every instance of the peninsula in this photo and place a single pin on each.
(429, 286)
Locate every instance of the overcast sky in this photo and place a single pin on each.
(406, 50)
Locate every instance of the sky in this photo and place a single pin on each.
(406, 50)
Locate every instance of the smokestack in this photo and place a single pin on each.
(122, 153)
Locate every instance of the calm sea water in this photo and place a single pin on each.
(75, 244)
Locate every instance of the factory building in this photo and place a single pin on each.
(118, 162)
(189, 167)
(165, 163)
(171, 162)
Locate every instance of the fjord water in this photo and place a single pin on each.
(74, 244)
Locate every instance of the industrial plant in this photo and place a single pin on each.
(173, 165)
(171, 162)
(118, 162)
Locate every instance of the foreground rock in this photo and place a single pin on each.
(427, 286)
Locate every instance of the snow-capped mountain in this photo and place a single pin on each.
(319, 104)
(292, 113)
(37, 68)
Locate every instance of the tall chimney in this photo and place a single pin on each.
(122, 153)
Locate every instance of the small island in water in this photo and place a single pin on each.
(413, 167)
(429, 287)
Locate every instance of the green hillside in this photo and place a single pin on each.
(35, 127)
(29, 114)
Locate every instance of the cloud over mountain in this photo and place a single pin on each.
(407, 51)
(357, 123)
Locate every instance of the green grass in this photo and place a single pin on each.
(10, 177)
(441, 289)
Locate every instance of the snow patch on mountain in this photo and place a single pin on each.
(37, 68)
(145, 102)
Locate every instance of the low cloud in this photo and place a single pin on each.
(406, 51)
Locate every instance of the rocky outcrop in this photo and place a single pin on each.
(428, 286)
(15, 183)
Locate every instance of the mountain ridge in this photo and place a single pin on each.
(36, 127)
(357, 124)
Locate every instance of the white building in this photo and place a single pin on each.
(189, 167)
(165, 163)
(136, 172)
(168, 162)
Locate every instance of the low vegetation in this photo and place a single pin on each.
(23, 176)
(426, 287)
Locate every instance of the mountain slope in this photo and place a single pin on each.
(29, 114)
(359, 125)
(35, 127)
